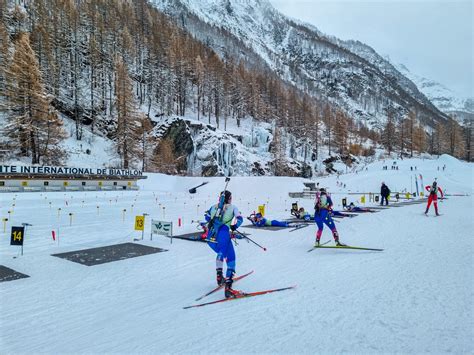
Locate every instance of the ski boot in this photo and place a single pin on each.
(336, 239)
(317, 244)
(229, 291)
(220, 277)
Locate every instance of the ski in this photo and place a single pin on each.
(319, 244)
(245, 295)
(346, 247)
(237, 278)
(298, 226)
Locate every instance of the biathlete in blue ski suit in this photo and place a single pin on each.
(219, 239)
(322, 216)
(259, 221)
(340, 214)
(353, 208)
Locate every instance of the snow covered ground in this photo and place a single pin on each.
(414, 297)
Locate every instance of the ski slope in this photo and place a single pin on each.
(414, 297)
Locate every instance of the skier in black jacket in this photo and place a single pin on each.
(384, 192)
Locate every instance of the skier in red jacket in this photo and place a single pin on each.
(433, 196)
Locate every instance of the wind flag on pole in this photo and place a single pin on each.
(416, 183)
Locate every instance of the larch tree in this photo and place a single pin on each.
(455, 139)
(388, 134)
(127, 134)
(411, 122)
(419, 138)
(164, 158)
(32, 125)
(340, 132)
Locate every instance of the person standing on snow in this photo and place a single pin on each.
(322, 216)
(220, 241)
(384, 193)
(433, 196)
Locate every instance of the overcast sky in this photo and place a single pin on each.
(434, 39)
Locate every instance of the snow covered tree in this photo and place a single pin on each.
(278, 148)
(4, 55)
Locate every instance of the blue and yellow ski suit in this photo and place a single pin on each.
(221, 241)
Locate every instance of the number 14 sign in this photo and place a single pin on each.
(18, 234)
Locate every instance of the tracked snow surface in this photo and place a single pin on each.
(414, 297)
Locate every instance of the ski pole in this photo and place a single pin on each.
(254, 242)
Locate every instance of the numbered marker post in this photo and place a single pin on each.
(18, 235)
(140, 224)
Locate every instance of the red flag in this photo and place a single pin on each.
(53, 233)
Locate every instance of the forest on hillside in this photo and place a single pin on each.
(116, 66)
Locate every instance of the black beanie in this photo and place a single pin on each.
(227, 194)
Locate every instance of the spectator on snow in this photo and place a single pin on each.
(384, 193)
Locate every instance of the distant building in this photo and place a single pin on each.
(51, 178)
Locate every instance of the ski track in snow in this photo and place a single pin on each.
(415, 296)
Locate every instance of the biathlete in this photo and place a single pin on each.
(259, 221)
(353, 208)
(322, 216)
(433, 196)
(301, 214)
(219, 239)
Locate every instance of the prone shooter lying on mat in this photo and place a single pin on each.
(259, 221)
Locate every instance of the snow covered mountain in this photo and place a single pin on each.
(445, 99)
(348, 73)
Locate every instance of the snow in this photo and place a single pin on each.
(414, 297)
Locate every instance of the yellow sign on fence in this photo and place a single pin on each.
(139, 223)
(261, 210)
